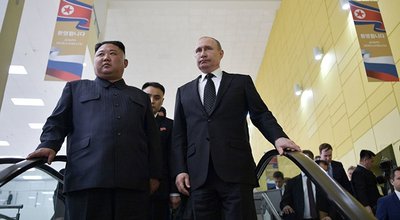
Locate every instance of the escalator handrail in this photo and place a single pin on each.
(21, 165)
(347, 203)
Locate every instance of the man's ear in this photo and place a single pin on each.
(125, 62)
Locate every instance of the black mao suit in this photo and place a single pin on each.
(160, 199)
(223, 135)
(112, 138)
(365, 187)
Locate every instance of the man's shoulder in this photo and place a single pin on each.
(387, 198)
(336, 163)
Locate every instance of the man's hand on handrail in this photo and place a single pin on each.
(43, 152)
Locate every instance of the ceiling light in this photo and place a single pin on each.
(27, 102)
(345, 4)
(318, 53)
(36, 125)
(17, 69)
(4, 144)
(32, 177)
(297, 89)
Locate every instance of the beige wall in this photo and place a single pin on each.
(343, 109)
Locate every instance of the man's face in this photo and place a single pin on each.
(208, 55)
(156, 98)
(396, 180)
(110, 62)
(278, 182)
(326, 155)
(369, 163)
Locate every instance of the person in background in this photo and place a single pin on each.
(335, 168)
(350, 171)
(279, 181)
(166, 192)
(297, 202)
(114, 158)
(212, 156)
(364, 181)
(389, 206)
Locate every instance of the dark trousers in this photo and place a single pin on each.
(159, 208)
(107, 204)
(219, 200)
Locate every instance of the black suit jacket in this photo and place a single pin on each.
(294, 197)
(167, 184)
(223, 135)
(112, 138)
(339, 174)
(365, 186)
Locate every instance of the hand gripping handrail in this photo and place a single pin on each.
(21, 165)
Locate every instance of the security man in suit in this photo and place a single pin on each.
(113, 144)
(166, 192)
(211, 151)
(389, 206)
(364, 181)
(335, 168)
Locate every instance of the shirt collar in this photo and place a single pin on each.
(217, 73)
(120, 84)
(397, 194)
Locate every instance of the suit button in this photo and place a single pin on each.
(208, 120)
(118, 117)
(119, 133)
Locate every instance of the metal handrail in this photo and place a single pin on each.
(347, 204)
(21, 165)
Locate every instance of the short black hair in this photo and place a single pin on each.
(309, 153)
(119, 44)
(319, 162)
(366, 154)
(324, 146)
(278, 174)
(154, 84)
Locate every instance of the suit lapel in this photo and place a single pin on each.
(194, 89)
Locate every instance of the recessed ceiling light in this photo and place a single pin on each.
(17, 69)
(27, 102)
(36, 125)
(32, 177)
(4, 144)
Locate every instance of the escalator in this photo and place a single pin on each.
(36, 186)
(267, 202)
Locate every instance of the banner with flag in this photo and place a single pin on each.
(377, 55)
(68, 48)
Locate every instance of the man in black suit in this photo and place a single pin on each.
(113, 144)
(335, 168)
(167, 192)
(211, 151)
(364, 181)
(295, 203)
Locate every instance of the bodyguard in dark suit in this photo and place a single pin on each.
(211, 151)
(389, 206)
(364, 181)
(167, 191)
(113, 144)
(335, 168)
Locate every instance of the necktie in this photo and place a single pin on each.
(209, 93)
(313, 208)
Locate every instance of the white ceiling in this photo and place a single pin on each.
(159, 36)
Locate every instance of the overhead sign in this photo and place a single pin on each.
(68, 48)
(377, 55)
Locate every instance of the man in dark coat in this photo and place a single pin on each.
(211, 150)
(113, 144)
